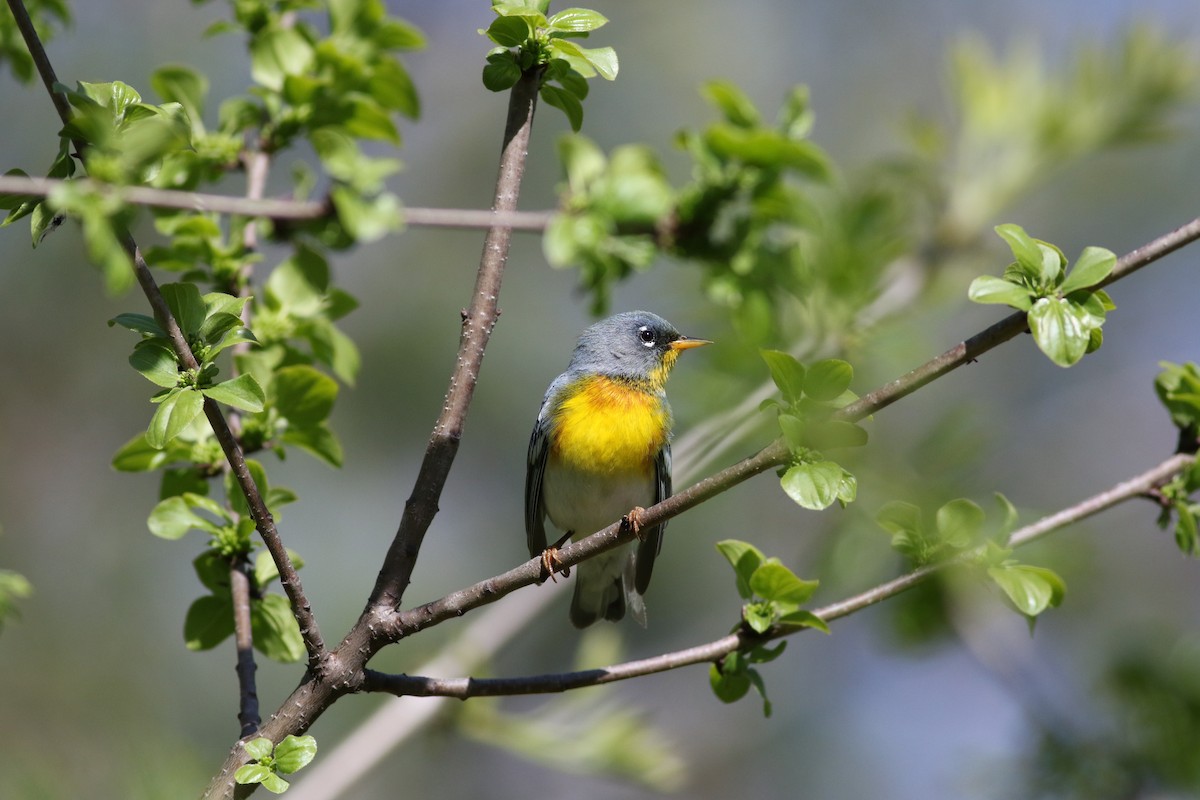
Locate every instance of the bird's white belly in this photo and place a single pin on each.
(585, 502)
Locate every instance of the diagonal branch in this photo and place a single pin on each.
(968, 350)
(477, 323)
(263, 520)
(463, 688)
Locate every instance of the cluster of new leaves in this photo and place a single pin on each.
(610, 209)
(329, 91)
(210, 324)
(958, 531)
(773, 596)
(811, 395)
(1178, 387)
(529, 40)
(269, 761)
(1064, 309)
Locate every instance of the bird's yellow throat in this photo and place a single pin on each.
(606, 426)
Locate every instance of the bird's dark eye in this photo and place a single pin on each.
(646, 335)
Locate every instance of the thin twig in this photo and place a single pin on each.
(162, 312)
(239, 585)
(278, 210)
(463, 688)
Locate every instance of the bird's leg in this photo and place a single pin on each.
(633, 521)
(550, 558)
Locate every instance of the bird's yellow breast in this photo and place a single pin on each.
(607, 426)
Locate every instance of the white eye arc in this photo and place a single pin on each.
(646, 335)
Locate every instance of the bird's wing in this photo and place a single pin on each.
(651, 543)
(535, 470)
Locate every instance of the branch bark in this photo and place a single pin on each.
(239, 585)
(279, 210)
(477, 324)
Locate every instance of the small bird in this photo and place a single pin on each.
(600, 451)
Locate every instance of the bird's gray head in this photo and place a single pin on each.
(635, 345)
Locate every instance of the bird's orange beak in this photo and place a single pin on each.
(687, 343)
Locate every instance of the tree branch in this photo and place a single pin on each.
(162, 312)
(239, 585)
(277, 210)
(463, 688)
(477, 324)
(970, 349)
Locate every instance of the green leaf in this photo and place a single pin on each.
(265, 569)
(826, 380)
(779, 584)
(1093, 265)
(174, 414)
(898, 516)
(319, 441)
(275, 784)
(179, 84)
(804, 619)
(1024, 248)
(578, 20)
(156, 361)
(187, 306)
(303, 395)
(275, 54)
(141, 323)
(276, 634)
(759, 616)
(733, 103)
(259, 748)
(787, 372)
(768, 149)
(1058, 328)
(745, 559)
(209, 621)
(172, 518)
(564, 101)
(728, 688)
(959, 522)
(242, 392)
(213, 571)
(815, 486)
(501, 72)
(233, 491)
(509, 31)
(252, 773)
(795, 432)
(1031, 589)
(294, 753)
(990, 289)
(137, 455)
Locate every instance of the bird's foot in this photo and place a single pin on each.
(550, 563)
(633, 521)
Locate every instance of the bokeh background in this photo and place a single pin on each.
(99, 697)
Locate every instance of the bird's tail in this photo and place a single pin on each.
(604, 590)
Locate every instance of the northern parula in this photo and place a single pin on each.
(600, 451)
